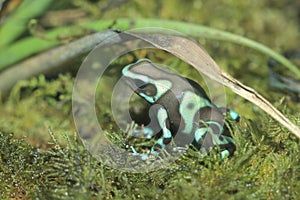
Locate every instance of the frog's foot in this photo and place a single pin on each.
(225, 154)
(234, 115)
(143, 156)
(143, 133)
(228, 146)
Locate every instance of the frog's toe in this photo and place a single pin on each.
(142, 156)
(143, 133)
(228, 145)
(225, 154)
(234, 115)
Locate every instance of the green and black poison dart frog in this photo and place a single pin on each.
(181, 110)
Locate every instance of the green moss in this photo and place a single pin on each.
(260, 169)
(36, 105)
(15, 176)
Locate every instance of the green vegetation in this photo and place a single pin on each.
(41, 156)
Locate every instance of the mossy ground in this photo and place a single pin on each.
(41, 157)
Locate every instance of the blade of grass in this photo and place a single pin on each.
(16, 23)
(20, 50)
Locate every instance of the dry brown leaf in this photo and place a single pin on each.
(190, 52)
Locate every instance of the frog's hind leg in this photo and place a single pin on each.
(210, 132)
(205, 139)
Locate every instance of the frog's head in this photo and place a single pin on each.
(146, 80)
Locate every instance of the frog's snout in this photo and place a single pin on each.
(131, 84)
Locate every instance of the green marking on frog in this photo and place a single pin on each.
(190, 105)
(162, 86)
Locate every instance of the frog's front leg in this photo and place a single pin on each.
(161, 116)
(153, 127)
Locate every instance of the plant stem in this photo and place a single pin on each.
(193, 30)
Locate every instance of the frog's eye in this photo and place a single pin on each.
(148, 89)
